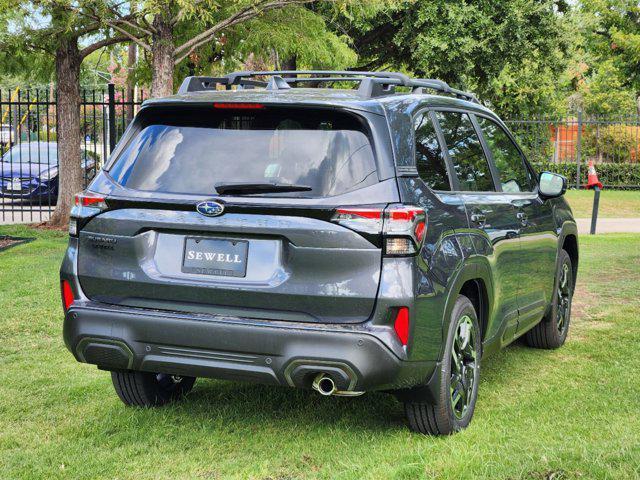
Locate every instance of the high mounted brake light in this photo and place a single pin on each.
(239, 106)
(403, 227)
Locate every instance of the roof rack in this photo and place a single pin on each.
(371, 84)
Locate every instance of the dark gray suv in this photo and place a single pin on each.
(259, 227)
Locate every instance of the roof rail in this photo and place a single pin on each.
(371, 84)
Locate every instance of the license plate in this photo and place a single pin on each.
(214, 256)
(14, 186)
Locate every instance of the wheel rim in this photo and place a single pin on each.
(563, 295)
(464, 366)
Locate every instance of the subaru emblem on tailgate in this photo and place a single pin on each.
(210, 209)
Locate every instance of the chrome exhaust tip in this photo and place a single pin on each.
(324, 384)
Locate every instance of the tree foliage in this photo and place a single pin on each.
(508, 52)
(608, 74)
(170, 32)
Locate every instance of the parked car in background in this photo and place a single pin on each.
(349, 241)
(29, 172)
(6, 135)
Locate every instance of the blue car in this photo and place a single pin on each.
(29, 172)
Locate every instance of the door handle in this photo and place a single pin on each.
(522, 217)
(479, 218)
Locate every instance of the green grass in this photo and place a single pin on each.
(613, 203)
(569, 413)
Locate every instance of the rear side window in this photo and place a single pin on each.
(429, 156)
(514, 175)
(466, 153)
(192, 150)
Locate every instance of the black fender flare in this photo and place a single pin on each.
(474, 268)
(567, 228)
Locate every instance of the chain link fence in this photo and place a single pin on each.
(29, 148)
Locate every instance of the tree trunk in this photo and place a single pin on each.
(162, 61)
(131, 63)
(70, 180)
(290, 63)
(132, 54)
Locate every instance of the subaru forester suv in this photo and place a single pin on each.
(258, 227)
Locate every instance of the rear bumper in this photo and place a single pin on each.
(118, 338)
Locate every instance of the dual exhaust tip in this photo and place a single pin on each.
(324, 385)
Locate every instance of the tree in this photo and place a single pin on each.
(51, 28)
(509, 52)
(296, 36)
(156, 25)
(611, 36)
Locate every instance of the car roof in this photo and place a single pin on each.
(36, 144)
(322, 97)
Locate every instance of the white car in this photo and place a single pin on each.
(6, 134)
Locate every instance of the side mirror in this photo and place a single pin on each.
(552, 185)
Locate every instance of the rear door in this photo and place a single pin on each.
(232, 212)
(491, 216)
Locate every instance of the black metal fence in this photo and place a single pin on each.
(28, 145)
(567, 145)
(29, 149)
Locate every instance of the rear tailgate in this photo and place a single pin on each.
(272, 255)
(297, 268)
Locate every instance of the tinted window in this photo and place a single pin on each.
(465, 150)
(514, 175)
(192, 151)
(429, 156)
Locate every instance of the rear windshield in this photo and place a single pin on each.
(192, 150)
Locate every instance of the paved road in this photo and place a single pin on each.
(22, 213)
(610, 225)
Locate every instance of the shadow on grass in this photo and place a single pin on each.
(246, 407)
(253, 403)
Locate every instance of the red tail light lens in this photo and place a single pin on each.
(369, 213)
(239, 106)
(404, 228)
(67, 294)
(367, 220)
(90, 199)
(401, 325)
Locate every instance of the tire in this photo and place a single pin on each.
(446, 416)
(143, 389)
(552, 331)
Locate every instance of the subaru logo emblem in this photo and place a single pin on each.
(210, 209)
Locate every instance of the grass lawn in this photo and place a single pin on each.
(570, 413)
(613, 203)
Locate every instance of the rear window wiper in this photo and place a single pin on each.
(249, 188)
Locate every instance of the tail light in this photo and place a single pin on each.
(90, 199)
(403, 227)
(94, 202)
(67, 294)
(401, 325)
(404, 230)
(365, 220)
